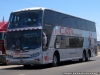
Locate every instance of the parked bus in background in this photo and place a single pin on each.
(3, 29)
(42, 36)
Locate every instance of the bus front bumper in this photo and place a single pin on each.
(23, 61)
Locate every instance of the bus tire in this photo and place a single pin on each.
(83, 59)
(55, 60)
(26, 66)
(88, 57)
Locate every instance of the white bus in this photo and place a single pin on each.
(42, 36)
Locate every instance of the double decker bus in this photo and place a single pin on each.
(42, 36)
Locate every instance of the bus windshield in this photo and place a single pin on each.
(31, 39)
(25, 19)
(23, 40)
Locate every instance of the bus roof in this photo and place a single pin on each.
(43, 8)
(32, 8)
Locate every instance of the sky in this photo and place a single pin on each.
(87, 9)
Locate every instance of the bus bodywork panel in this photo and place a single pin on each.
(24, 57)
(61, 41)
(81, 40)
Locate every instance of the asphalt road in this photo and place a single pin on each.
(75, 66)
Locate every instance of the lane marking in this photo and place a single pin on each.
(21, 74)
(9, 66)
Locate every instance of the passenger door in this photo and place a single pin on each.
(45, 56)
(45, 48)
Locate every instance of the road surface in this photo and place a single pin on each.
(75, 66)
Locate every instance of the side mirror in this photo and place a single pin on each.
(44, 40)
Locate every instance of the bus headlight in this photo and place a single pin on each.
(35, 54)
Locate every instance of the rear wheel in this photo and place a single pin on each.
(83, 59)
(55, 60)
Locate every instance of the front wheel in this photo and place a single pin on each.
(26, 66)
(55, 60)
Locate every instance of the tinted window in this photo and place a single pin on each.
(81, 41)
(60, 42)
(76, 25)
(93, 26)
(76, 42)
(88, 25)
(72, 42)
(79, 23)
(25, 19)
(68, 42)
(65, 20)
(54, 18)
(73, 23)
(31, 39)
(83, 24)
(48, 16)
(59, 18)
(23, 39)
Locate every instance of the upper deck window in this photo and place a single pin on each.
(25, 19)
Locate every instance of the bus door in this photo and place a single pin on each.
(44, 48)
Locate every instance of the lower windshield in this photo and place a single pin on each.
(31, 39)
(25, 19)
(23, 40)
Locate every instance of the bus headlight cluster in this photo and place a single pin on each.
(9, 56)
(35, 54)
